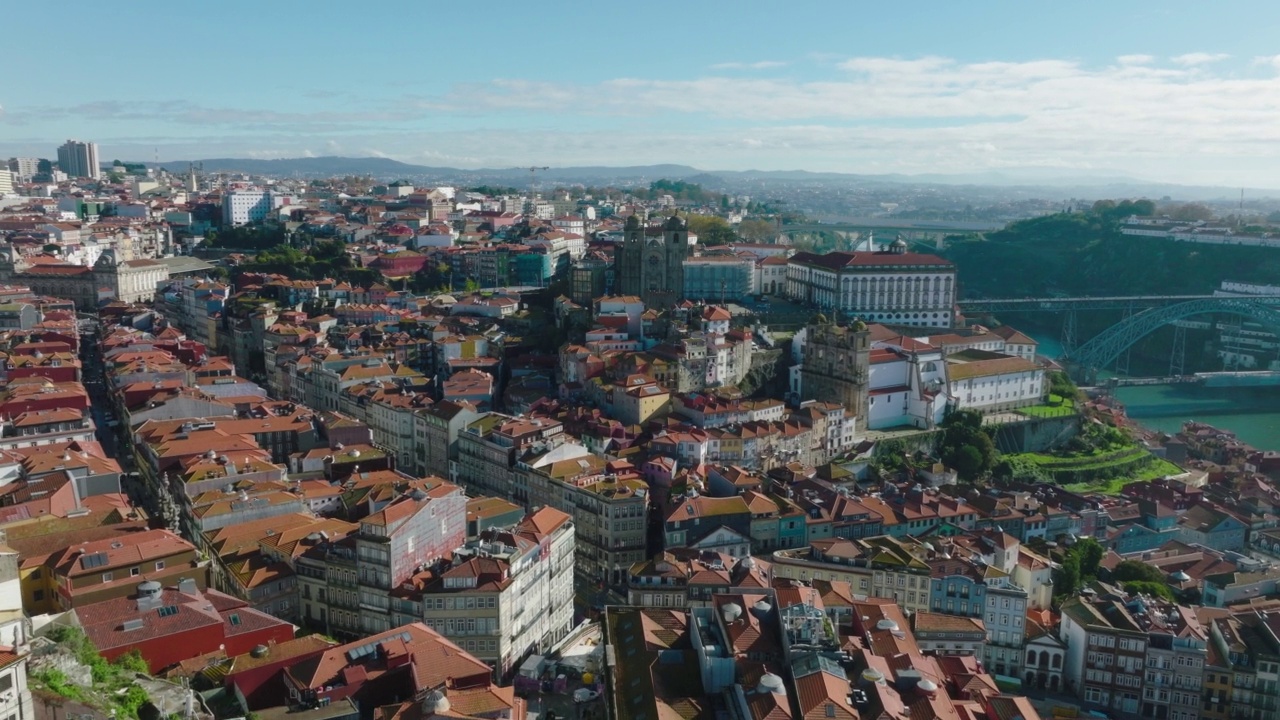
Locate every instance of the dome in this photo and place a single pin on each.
(887, 624)
(674, 223)
(731, 611)
(770, 683)
(436, 702)
(928, 686)
(872, 675)
(1180, 576)
(761, 607)
(899, 243)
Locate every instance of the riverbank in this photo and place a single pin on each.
(1253, 414)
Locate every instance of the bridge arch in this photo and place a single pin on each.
(1102, 350)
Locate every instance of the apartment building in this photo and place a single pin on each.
(401, 540)
(1136, 656)
(435, 431)
(609, 505)
(1242, 672)
(973, 576)
(489, 447)
(503, 596)
(112, 568)
(882, 567)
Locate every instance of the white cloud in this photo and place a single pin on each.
(759, 65)
(1198, 58)
(1182, 119)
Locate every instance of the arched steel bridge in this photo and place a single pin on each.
(1104, 349)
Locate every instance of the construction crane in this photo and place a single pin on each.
(533, 174)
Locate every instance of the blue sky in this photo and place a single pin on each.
(1172, 91)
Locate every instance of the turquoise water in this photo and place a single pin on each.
(1253, 414)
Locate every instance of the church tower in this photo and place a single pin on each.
(837, 364)
(650, 262)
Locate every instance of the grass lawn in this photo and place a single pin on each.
(1158, 468)
(1057, 406)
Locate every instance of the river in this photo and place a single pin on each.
(1253, 414)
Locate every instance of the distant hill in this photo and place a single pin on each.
(386, 168)
(304, 167)
(1051, 181)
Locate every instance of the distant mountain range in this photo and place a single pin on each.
(1059, 180)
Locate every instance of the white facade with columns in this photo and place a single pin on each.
(893, 287)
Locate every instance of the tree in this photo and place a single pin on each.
(1190, 212)
(1090, 552)
(756, 230)
(1132, 570)
(1142, 587)
(1060, 384)
(711, 230)
(133, 662)
(966, 446)
(493, 190)
(1066, 579)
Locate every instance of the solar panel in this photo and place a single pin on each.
(167, 610)
(96, 560)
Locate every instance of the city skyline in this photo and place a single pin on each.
(1091, 90)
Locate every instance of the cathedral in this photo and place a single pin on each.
(650, 262)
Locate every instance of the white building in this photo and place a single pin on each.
(6, 183)
(246, 206)
(907, 384)
(1004, 340)
(993, 382)
(508, 594)
(770, 276)
(890, 286)
(24, 168)
(79, 159)
(570, 224)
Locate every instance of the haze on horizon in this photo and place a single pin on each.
(1179, 92)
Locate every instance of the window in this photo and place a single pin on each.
(159, 565)
(106, 577)
(133, 572)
